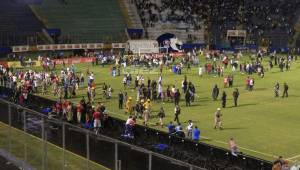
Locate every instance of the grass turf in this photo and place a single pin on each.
(262, 125)
(35, 151)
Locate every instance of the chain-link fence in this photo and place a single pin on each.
(44, 142)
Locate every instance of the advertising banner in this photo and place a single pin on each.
(74, 60)
(52, 47)
(143, 46)
(22, 48)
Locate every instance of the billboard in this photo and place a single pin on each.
(143, 46)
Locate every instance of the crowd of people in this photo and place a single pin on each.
(258, 18)
(92, 114)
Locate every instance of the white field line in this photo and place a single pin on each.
(247, 149)
(291, 158)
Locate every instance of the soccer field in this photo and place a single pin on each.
(262, 125)
(29, 149)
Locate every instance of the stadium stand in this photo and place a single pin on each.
(273, 20)
(160, 17)
(83, 21)
(19, 26)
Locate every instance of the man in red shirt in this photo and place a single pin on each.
(64, 107)
(79, 110)
(97, 120)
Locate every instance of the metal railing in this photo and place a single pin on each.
(38, 139)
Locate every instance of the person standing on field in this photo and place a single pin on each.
(276, 89)
(177, 113)
(215, 92)
(224, 98)
(121, 99)
(285, 90)
(189, 129)
(235, 95)
(218, 121)
(161, 114)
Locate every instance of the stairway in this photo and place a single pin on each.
(133, 14)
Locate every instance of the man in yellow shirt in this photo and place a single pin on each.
(128, 106)
(147, 106)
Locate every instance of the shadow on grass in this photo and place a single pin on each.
(260, 89)
(243, 105)
(234, 128)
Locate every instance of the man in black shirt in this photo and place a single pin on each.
(177, 97)
(235, 95)
(177, 113)
(224, 96)
(285, 90)
(215, 92)
(121, 97)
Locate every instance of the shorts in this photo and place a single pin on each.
(97, 123)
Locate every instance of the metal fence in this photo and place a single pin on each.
(38, 139)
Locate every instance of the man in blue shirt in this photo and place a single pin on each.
(196, 134)
(171, 128)
(177, 128)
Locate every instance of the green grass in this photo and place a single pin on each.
(35, 152)
(262, 125)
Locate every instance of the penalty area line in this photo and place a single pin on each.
(222, 142)
(291, 158)
(247, 149)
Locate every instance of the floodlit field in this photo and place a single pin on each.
(30, 149)
(262, 125)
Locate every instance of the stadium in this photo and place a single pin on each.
(149, 85)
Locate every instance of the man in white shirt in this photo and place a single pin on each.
(189, 129)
